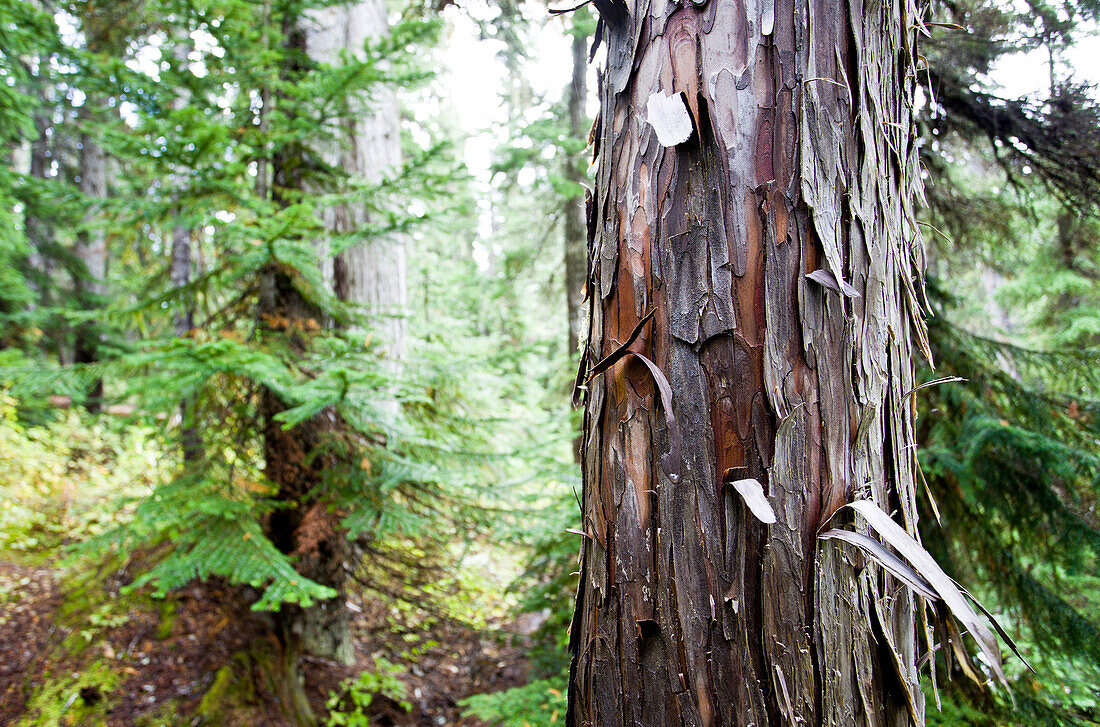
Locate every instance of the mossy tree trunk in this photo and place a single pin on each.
(304, 527)
(364, 144)
(756, 167)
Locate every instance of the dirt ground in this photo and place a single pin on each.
(161, 660)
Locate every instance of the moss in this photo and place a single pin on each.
(231, 698)
(90, 606)
(168, 715)
(167, 618)
(85, 586)
(72, 699)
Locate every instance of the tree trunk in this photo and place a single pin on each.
(575, 229)
(180, 274)
(372, 274)
(91, 254)
(38, 229)
(756, 166)
(367, 147)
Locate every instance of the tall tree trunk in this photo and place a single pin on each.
(304, 527)
(371, 274)
(91, 253)
(575, 229)
(182, 323)
(756, 166)
(180, 274)
(39, 231)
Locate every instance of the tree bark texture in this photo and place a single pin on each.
(776, 250)
(180, 276)
(39, 231)
(367, 147)
(91, 243)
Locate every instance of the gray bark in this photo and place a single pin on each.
(180, 276)
(756, 167)
(372, 273)
(91, 242)
(40, 236)
(90, 252)
(575, 228)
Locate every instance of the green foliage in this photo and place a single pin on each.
(1011, 456)
(27, 37)
(350, 705)
(539, 703)
(1011, 460)
(69, 479)
(194, 147)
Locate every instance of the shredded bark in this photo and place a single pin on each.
(775, 248)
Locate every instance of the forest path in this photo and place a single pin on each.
(75, 648)
(29, 600)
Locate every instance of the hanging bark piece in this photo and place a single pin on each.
(619, 353)
(669, 117)
(752, 492)
(945, 588)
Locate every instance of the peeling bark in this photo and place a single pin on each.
(776, 250)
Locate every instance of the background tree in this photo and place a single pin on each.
(1013, 209)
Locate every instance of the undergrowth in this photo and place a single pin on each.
(69, 478)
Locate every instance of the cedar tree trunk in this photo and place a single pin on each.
(756, 166)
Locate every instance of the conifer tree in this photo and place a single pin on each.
(298, 449)
(1009, 454)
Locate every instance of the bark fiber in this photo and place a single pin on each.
(777, 250)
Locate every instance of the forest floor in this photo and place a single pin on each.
(80, 649)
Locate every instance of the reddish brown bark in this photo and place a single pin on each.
(776, 249)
